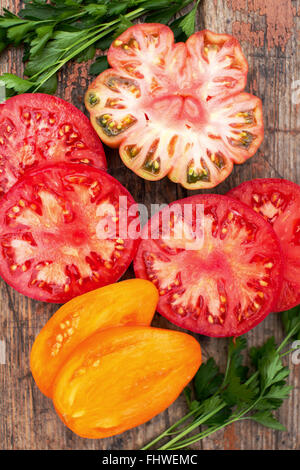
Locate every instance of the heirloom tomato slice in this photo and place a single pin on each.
(60, 232)
(130, 302)
(176, 109)
(278, 201)
(121, 377)
(217, 264)
(38, 129)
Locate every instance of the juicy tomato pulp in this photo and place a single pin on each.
(59, 232)
(176, 109)
(38, 129)
(121, 377)
(278, 201)
(218, 277)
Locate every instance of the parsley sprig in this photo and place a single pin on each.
(220, 399)
(55, 32)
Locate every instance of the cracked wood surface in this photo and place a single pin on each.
(269, 33)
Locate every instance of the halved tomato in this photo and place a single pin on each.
(217, 264)
(60, 232)
(38, 129)
(121, 377)
(278, 201)
(130, 302)
(176, 109)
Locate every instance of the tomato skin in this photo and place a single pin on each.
(37, 130)
(122, 377)
(126, 303)
(221, 265)
(50, 247)
(176, 110)
(278, 201)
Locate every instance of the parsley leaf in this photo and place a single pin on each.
(53, 33)
(267, 419)
(99, 65)
(187, 24)
(207, 380)
(290, 320)
(96, 10)
(15, 83)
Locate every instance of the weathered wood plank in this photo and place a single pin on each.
(269, 32)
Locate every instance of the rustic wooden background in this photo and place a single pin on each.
(270, 33)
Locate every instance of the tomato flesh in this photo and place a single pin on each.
(121, 377)
(38, 129)
(222, 283)
(53, 240)
(176, 109)
(136, 300)
(278, 201)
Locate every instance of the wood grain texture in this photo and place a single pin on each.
(269, 32)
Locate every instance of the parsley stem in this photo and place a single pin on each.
(289, 336)
(187, 430)
(210, 430)
(168, 431)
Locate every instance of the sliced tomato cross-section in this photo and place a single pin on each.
(176, 109)
(218, 271)
(60, 232)
(38, 129)
(278, 201)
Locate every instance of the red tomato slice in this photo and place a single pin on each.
(176, 109)
(38, 129)
(278, 201)
(53, 225)
(223, 287)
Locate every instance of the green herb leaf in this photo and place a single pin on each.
(124, 24)
(267, 419)
(44, 33)
(207, 380)
(187, 24)
(49, 86)
(86, 55)
(99, 65)
(269, 366)
(279, 392)
(162, 16)
(15, 83)
(16, 33)
(104, 43)
(96, 10)
(237, 393)
(61, 43)
(157, 4)
(291, 321)
(235, 360)
(117, 8)
(256, 354)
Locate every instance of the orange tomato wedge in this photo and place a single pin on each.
(121, 377)
(130, 302)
